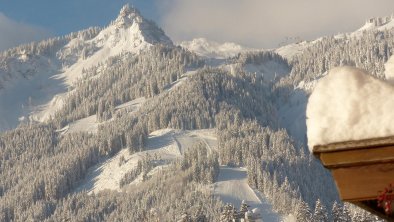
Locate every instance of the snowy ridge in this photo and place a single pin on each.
(212, 49)
(130, 32)
(378, 23)
(39, 83)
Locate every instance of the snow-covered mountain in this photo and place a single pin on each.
(142, 121)
(212, 49)
(129, 33)
(39, 80)
(376, 23)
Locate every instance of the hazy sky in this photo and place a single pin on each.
(255, 23)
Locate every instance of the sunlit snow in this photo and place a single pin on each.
(348, 104)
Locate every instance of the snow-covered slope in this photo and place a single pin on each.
(291, 50)
(232, 187)
(212, 49)
(165, 144)
(34, 84)
(28, 86)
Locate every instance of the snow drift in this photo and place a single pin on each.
(348, 104)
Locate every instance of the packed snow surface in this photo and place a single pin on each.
(348, 104)
(165, 144)
(232, 187)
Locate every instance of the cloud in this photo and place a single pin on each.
(265, 23)
(14, 33)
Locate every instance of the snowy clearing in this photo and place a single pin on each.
(291, 50)
(132, 105)
(232, 187)
(90, 124)
(166, 144)
(180, 81)
(348, 104)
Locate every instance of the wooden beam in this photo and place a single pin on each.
(346, 158)
(356, 144)
(363, 182)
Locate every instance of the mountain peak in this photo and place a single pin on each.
(127, 15)
(137, 27)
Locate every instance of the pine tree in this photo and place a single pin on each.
(185, 217)
(336, 212)
(228, 213)
(320, 214)
(303, 213)
(345, 216)
(200, 216)
(243, 209)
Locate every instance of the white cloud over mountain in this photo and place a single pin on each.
(14, 33)
(264, 23)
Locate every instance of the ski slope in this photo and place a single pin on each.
(232, 187)
(166, 145)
